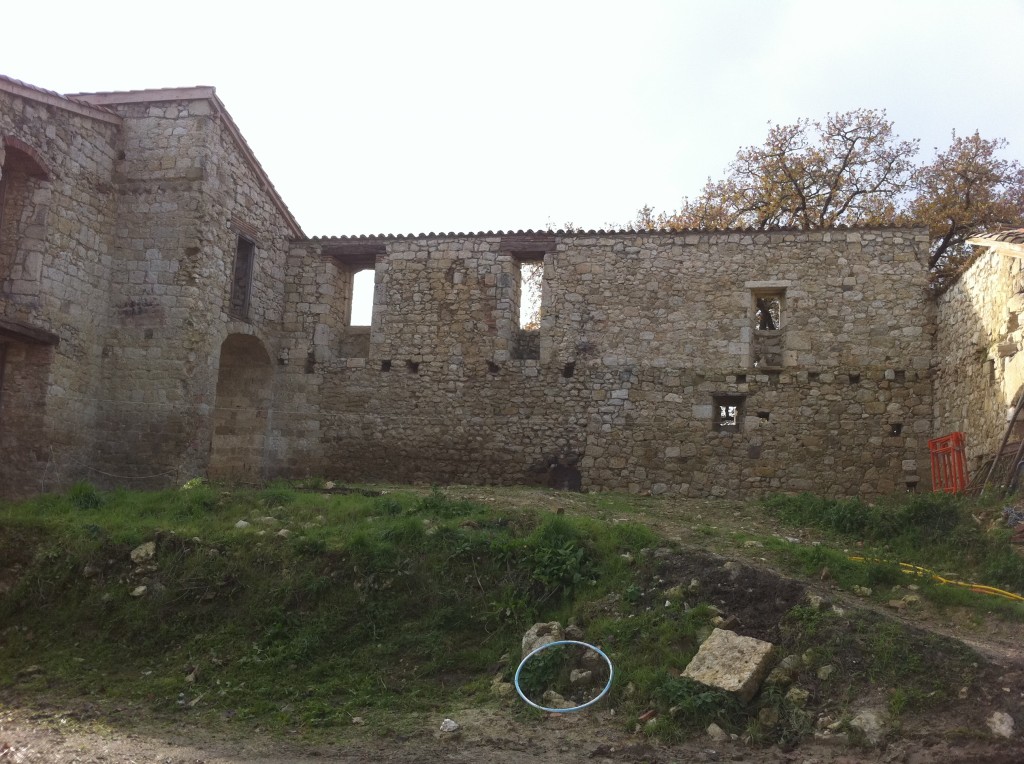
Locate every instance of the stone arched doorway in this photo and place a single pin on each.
(242, 410)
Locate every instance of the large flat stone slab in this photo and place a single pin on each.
(732, 663)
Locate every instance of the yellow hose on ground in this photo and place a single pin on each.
(917, 570)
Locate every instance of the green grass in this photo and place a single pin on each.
(370, 604)
(934, 531)
(382, 605)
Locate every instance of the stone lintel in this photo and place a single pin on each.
(21, 332)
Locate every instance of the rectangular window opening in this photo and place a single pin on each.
(896, 429)
(531, 278)
(569, 369)
(413, 367)
(493, 368)
(364, 282)
(527, 302)
(855, 379)
(385, 365)
(727, 412)
(768, 306)
(241, 281)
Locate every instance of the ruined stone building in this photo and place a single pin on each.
(163, 316)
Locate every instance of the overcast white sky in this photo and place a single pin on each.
(407, 117)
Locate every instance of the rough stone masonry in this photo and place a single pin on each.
(163, 316)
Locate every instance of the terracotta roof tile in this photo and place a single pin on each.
(589, 232)
(1009, 236)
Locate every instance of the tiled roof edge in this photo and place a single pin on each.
(52, 98)
(605, 232)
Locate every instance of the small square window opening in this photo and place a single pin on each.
(727, 411)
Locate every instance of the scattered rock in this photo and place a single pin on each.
(591, 661)
(501, 688)
(862, 591)
(541, 634)
(840, 739)
(268, 521)
(768, 716)
(90, 571)
(581, 678)
(785, 673)
(552, 699)
(733, 568)
(798, 696)
(815, 601)
(825, 672)
(284, 533)
(329, 485)
(717, 734)
(448, 726)
(573, 631)
(358, 720)
(1001, 724)
(868, 723)
(138, 591)
(732, 663)
(242, 524)
(144, 552)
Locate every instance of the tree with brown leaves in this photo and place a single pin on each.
(852, 169)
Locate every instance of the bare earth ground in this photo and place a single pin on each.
(80, 732)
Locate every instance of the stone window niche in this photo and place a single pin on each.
(521, 294)
(527, 300)
(768, 320)
(22, 173)
(727, 413)
(241, 278)
(356, 263)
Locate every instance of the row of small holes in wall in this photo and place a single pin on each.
(413, 367)
(814, 376)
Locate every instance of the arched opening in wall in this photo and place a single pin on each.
(22, 215)
(241, 414)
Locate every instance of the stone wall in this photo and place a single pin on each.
(56, 244)
(177, 322)
(980, 367)
(186, 196)
(642, 337)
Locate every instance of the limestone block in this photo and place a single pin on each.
(732, 663)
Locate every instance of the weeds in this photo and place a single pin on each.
(933, 530)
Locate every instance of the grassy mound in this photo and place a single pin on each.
(323, 606)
